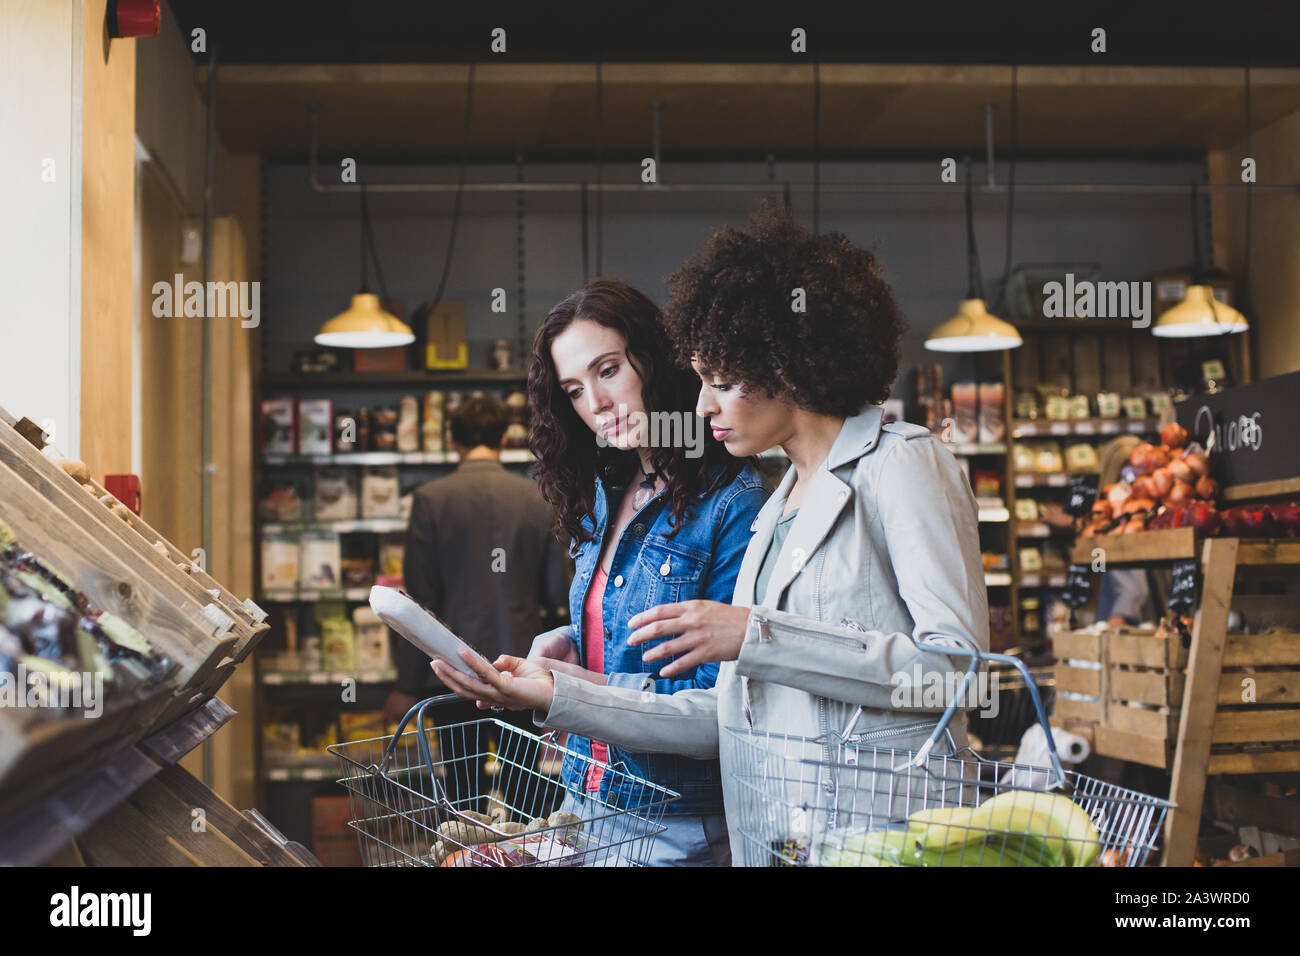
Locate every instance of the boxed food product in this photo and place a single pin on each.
(1031, 559)
(372, 640)
(336, 496)
(338, 643)
(279, 562)
(987, 482)
(315, 426)
(320, 563)
(1047, 457)
(432, 426)
(390, 561)
(1160, 402)
(408, 424)
(1057, 408)
(1135, 406)
(1079, 406)
(1108, 404)
(445, 344)
(279, 426)
(381, 493)
(1026, 509)
(282, 500)
(992, 419)
(358, 562)
(1023, 457)
(383, 428)
(1081, 457)
(1026, 405)
(965, 412)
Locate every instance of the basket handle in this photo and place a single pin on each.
(418, 712)
(976, 655)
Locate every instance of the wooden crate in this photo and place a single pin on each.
(1139, 693)
(1168, 545)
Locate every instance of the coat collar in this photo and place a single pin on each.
(822, 504)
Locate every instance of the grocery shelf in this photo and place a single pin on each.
(342, 526)
(431, 378)
(1035, 579)
(509, 456)
(297, 773)
(1029, 427)
(1050, 479)
(1171, 544)
(976, 447)
(382, 676)
(291, 595)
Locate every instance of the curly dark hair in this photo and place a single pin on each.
(732, 308)
(568, 457)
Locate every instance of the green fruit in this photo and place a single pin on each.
(942, 827)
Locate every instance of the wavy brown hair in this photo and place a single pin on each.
(731, 307)
(569, 460)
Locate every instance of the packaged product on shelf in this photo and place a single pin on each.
(383, 429)
(338, 642)
(311, 653)
(372, 640)
(1023, 457)
(1081, 456)
(362, 725)
(444, 336)
(1026, 509)
(1057, 408)
(1026, 405)
(279, 562)
(1031, 559)
(1108, 405)
(987, 482)
(381, 493)
(450, 405)
(320, 561)
(1047, 457)
(390, 561)
(1135, 406)
(281, 739)
(432, 425)
(1079, 407)
(279, 426)
(408, 424)
(336, 497)
(1030, 619)
(995, 562)
(992, 419)
(315, 426)
(1160, 402)
(965, 405)
(282, 499)
(363, 430)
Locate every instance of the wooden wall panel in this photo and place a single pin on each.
(107, 217)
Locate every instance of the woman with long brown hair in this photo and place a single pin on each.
(655, 510)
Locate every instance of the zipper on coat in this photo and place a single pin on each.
(899, 731)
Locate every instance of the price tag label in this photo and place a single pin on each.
(322, 459)
(1057, 481)
(1137, 428)
(369, 677)
(318, 677)
(1060, 428)
(1110, 428)
(1024, 481)
(1085, 428)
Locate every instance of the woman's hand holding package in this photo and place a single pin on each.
(511, 682)
(558, 652)
(706, 631)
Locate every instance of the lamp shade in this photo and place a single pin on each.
(364, 326)
(1199, 314)
(972, 329)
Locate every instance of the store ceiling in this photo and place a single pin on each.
(549, 110)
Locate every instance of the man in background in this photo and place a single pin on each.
(480, 553)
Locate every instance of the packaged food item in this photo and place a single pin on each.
(390, 561)
(1079, 406)
(279, 562)
(360, 725)
(281, 739)
(1023, 457)
(445, 344)
(315, 426)
(987, 482)
(1047, 457)
(320, 561)
(1026, 509)
(1057, 408)
(1108, 405)
(1026, 405)
(380, 493)
(1135, 406)
(282, 500)
(383, 429)
(311, 653)
(336, 496)
(408, 424)
(965, 412)
(1031, 559)
(499, 357)
(432, 427)
(338, 643)
(992, 420)
(1030, 621)
(1081, 457)
(279, 426)
(1160, 402)
(363, 430)
(373, 651)
(450, 405)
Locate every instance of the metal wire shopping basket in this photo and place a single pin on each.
(474, 794)
(874, 806)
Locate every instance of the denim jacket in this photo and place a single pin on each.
(650, 568)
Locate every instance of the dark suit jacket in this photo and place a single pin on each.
(481, 554)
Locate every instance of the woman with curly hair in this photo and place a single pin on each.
(656, 512)
(868, 547)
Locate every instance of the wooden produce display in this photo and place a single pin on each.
(126, 568)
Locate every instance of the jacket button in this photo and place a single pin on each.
(665, 569)
(638, 530)
(843, 495)
(618, 581)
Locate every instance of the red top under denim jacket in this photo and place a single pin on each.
(594, 633)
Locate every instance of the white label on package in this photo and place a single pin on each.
(547, 850)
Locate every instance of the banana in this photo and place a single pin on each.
(1082, 841)
(942, 828)
(875, 848)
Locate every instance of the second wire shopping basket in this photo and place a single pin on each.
(873, 806)
(475, 794)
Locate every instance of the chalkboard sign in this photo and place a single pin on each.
(1078, 585)
(1080, 495)
(1182, 595)
(1249, 431)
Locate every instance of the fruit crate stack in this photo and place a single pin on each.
(1132, 696)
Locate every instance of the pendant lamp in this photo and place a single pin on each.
(973, 329)
(1199, 313)
(365, 325)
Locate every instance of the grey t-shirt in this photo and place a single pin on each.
(779, 534)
